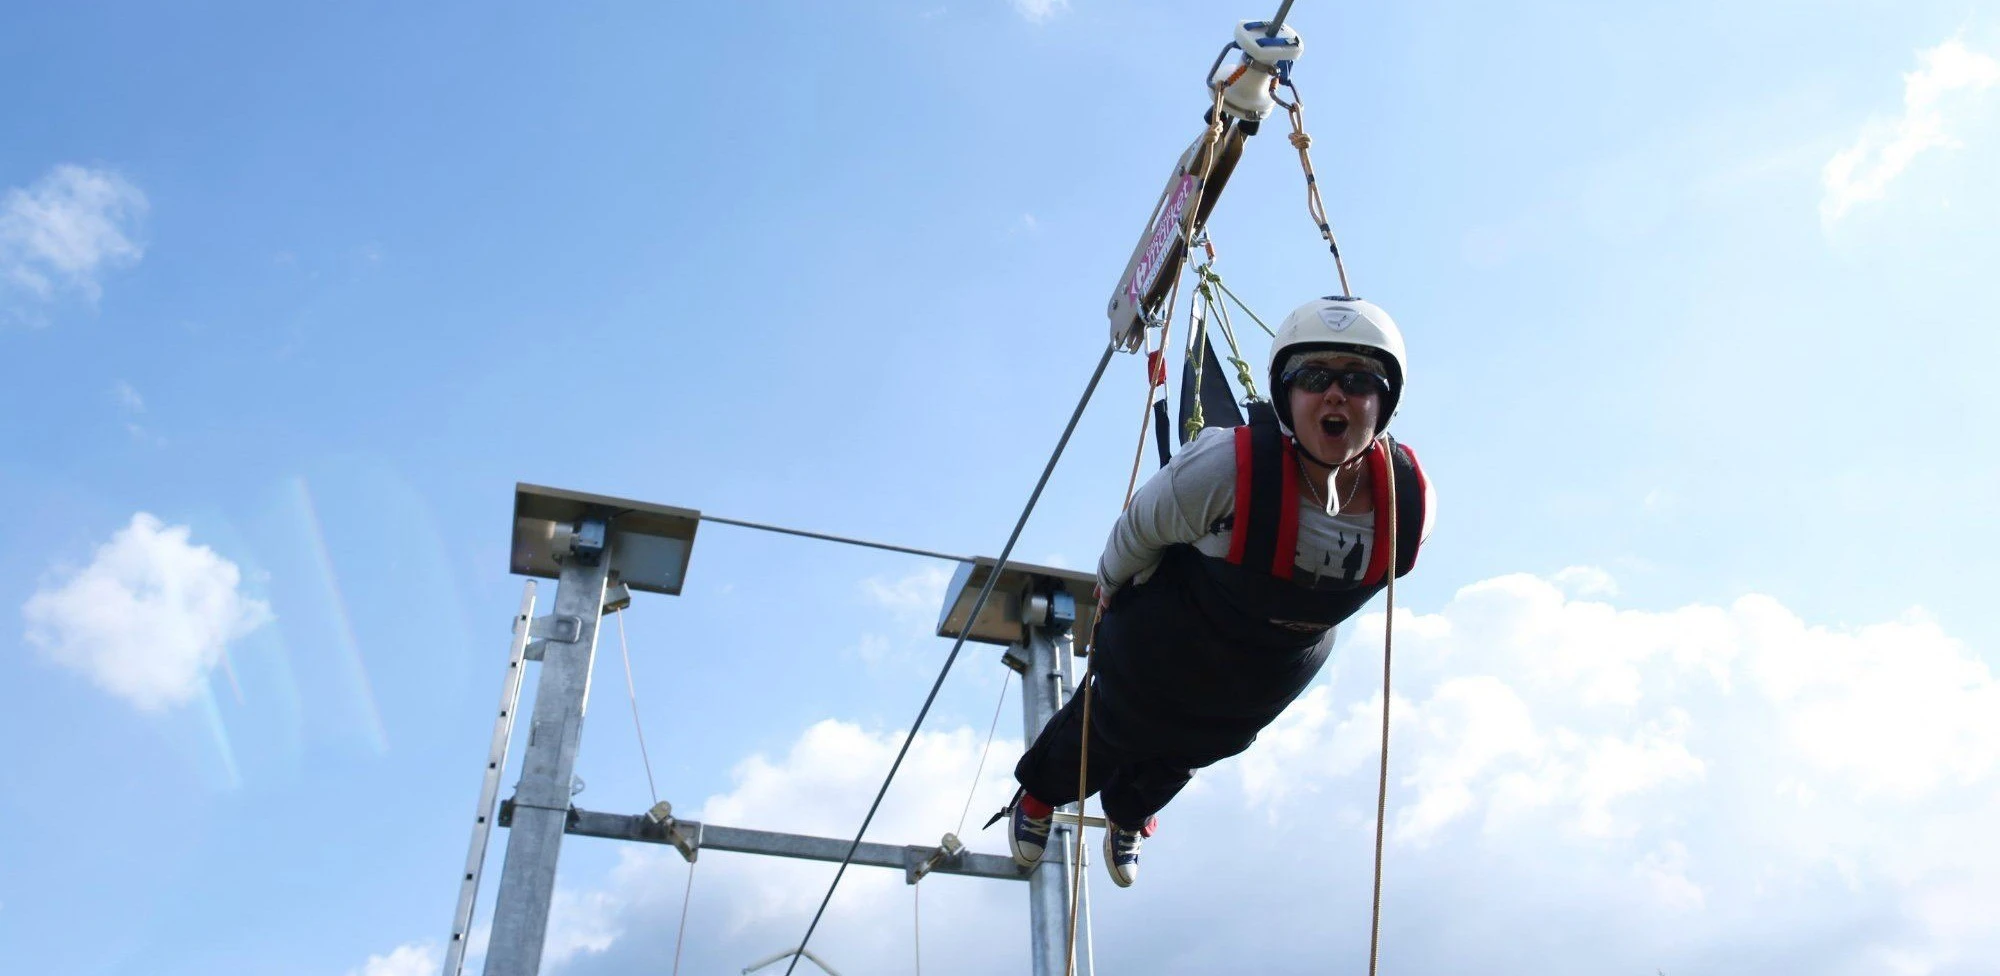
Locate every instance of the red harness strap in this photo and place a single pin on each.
(1264, 534)
(1286, 558)
(1378, 479)
(1239, 530)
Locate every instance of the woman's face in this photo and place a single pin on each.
(1334, 425)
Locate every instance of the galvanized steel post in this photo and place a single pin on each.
(1043, 691)
(542, 800)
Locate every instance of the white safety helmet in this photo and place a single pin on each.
(1338, 323)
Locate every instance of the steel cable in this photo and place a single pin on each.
(978, 604)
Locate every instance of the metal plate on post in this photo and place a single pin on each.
(650, 544)
(1000, 621)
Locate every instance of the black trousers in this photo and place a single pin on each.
(1135, 783)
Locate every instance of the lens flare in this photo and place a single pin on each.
(348, 648)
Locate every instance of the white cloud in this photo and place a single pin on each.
(918, 596)
(148, 618)
(1734, 759)
(134, 405)
(128, 397)
(1664, 872)
(1648, 789)
(65, 230)
(579, 923)
(1862, 172)
(1586, 581)
(873, 649)
(406, 960)
(912, 603)
(1040, 11)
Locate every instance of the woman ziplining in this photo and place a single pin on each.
(1224, 578)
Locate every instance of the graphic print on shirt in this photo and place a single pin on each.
(1350, 549)
(1351, 565)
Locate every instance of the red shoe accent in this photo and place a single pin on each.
(1035, 808)
(1152, 824)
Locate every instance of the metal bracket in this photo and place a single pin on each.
(552, 629)
(562, 629)
(506, 817)
(920, 861)
(1065, 817)
(1015, 658)
(685, 835)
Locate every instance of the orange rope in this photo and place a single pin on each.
(1382, 781)
(1216, 128)
(1314, 207)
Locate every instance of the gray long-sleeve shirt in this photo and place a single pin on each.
(1192, 500)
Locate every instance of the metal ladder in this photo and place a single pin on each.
(489, 788)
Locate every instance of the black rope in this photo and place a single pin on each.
(978, 604)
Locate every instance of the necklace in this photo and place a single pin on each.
(1326, 501)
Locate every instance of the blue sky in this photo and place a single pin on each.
(1698, 665)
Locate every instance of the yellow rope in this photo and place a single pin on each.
(1245, 307)
(1221, 313)
(1195, 362)
(1212, 137)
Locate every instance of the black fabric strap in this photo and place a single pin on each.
(1218, 401)
(1267, 489)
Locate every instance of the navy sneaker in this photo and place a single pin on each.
(1121, 850)
(1028, 835)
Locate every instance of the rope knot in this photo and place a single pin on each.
(1301, 141)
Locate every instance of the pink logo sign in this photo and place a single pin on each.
(1155, 254)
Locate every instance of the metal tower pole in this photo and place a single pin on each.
(541, 802)
(1042, 693)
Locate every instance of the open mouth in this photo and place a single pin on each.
(1333, 426)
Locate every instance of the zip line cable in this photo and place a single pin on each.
(1278, 19)
(829, 537)
(978, 604)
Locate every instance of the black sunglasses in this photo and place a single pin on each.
(1314, 378)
